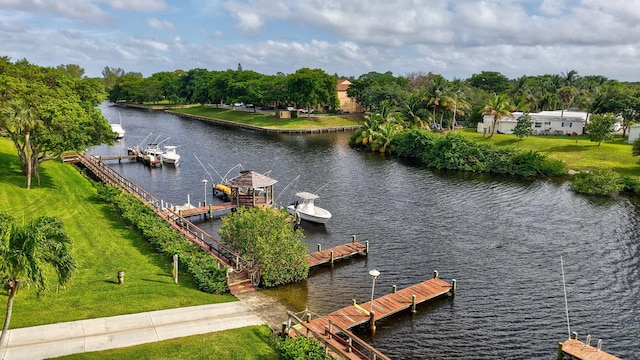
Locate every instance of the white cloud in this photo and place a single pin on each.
(160, 24)
(137, 5)
(75, 9)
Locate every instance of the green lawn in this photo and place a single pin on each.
(270, 121)
(577, 152)
(102, 247)
(248, 343)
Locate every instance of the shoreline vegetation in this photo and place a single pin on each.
(577, 153)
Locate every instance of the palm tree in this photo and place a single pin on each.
(28, 253)
(414, 110)
(499, 106)
(566, 95)
(19, 120)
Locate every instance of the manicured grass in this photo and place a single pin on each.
(270, 121)
(577, 152)
(102, 247)
(249, 343)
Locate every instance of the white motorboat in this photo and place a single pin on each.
(307, 210)
(170, 156)
(118, 130)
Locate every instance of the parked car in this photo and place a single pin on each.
(249, 105)
(306, 111)
(238, 104)
(291, 108)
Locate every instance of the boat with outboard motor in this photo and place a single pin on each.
(307, 210)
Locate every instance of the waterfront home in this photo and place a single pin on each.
(544, 123)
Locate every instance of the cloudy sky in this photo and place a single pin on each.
(454, 38)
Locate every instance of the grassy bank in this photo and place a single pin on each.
(270, 121)
(577, 152)
(102, 247)
(246, 343)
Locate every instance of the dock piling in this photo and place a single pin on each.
(319, 247)
(366, 247)
(353, 238)
(435, 274)
(331, 260)
(394, 289)
(454, 287)
(372, 320)
(413, 303)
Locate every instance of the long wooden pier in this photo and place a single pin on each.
(328, 328)
(329, 256)
(204, 210)
(583, 351)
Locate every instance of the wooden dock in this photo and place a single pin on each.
(580, 350)
(329, 256)
(204, 210)
(328, 328)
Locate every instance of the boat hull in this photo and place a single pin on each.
(320, 215)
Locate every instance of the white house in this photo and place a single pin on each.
(634, 133)
(544, 123)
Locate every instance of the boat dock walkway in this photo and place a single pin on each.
(329, 256)
(207, 210)
(583, 351)
(327, 328)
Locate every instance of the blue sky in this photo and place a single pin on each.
(454, 38)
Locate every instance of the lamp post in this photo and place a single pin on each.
(204, 182)
(374, 274)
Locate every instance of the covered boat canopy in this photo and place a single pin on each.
(304, 195)
(244, 185)
(251, 179)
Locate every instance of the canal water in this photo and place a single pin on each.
(501, 239)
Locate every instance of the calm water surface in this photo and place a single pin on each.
(500, 239)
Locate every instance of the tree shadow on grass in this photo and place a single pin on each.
(569, 148)
(11, 173)
(507, 142)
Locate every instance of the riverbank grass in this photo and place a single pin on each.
(103, 245)
(270, 121)
(577, 152)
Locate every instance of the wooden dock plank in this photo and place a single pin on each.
(339, 252)
(384, 306)
(582, 351)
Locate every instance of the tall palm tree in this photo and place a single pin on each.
(499, 106)
(19, 120)
(28, 252)
(566, 95)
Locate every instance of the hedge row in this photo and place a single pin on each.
(457, 152)
(203, 267)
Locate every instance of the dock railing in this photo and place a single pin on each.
(332, 339)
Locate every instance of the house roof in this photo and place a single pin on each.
(343, 85)
(251, 179)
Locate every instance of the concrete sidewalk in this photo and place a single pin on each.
(60, 339)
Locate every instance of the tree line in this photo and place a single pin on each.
(306, 88)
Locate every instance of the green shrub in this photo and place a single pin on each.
(630, 184)
(597, 182)
(265, 236)
(457, 152)
(413, 142)
(300, 348)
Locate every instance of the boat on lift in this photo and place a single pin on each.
(307, 210)
(170, 156)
